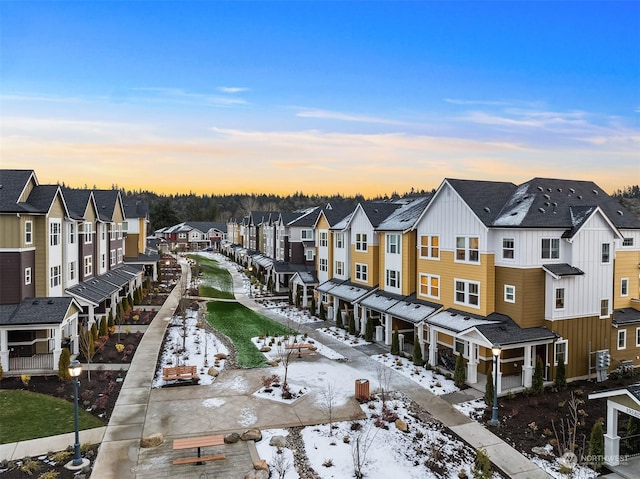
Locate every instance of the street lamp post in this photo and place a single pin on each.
(250, 272)
(496, 350)
(75, 369)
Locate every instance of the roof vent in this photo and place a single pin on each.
(541, 210)
(514, 213)
(572, 190)
(547, 196)
(466, 318)
(417, 306)
(50, 301)
(546, 203)
(487, 209)
(595, 192)
(579, 197)
(35, 301)
(454, 314)
(621, 213)
(540, 188)
(549, 190)
(560, 190)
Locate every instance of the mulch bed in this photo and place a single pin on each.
(108, 353)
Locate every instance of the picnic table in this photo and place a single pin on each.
(303, 348)
(198, 442)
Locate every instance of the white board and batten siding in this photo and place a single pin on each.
(322, 252)
(360, 224)
(342, 254)
(55, 258)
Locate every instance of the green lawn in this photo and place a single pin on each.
(26, 415)
(241, 324)
(216, 282)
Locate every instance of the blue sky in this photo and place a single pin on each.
(319, 96)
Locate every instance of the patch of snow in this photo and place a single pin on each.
(213, 402)
(430, 379)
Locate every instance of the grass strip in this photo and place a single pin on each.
(241, 324)
(216, 280)
(27, 415)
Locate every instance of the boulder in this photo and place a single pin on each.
(213, 372)
(152, 441)
(256, 474)
(253, 434)
(401, 425)
(220, 356)
(265, 349)
(278, 441)
(260, 465)
(231, 438)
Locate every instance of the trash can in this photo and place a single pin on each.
(362, 390)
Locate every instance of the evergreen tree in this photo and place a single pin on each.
(313, 305)
(537, 383)
(459, 374)
(395, 343)
(561, 375)
(596, 446)
(104, 328)
(321, 313)
(290, 297)
(94, 331)
(482, 465)
(352, 324)
(417, 353)
(368, 330)
(63, 365)
(488, 389)
(110, 322)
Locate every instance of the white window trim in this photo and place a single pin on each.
(339, 240)
(339, 271)
(506, 293)
(88, 264)
(608, 308)
(622, 333)
(564, 299)
(637, 337)
(608, 261)
(87, 231)
(28, 276)
(361, 242)
(513, 249)
(388, 278)
(466, 302)
(364, 271)
(467, 250)
(566, 351)
(28, 232)
(551, 241)
(428, 277)
(396, 243)
(625, 282)
(323, 238)
(429, 246)
(323, 264)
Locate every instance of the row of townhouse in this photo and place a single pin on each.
(192, 236)
(67, 257)
(548, 269)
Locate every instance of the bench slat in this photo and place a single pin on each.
(189, 460)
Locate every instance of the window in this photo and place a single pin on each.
(604, 308)
(27, 276)
(509, 293)
(361, 272)
(125, 226)
(306, 234)
(560, 351)
(606, 255)
(88, 233)
(627, 242)
(508, 248)
(559, 298)
(461, 347)
(393, 244)
(103, 232)
(309, 255)
(323, 264)
(120, 255)
(430, 285)
(361, 241)
(339, 237)
(103, 260)
(182, 235)
(467, 293)
(72, 270)
(112, 255)
(393, 278)
(55, 276)
(120, 231)
(467, 249)
(28, 232)
(430, 247)
(622, 339)
(324, 238)
(88, 265)
(624, 287)
(72, 233)
(54, 234)
(637, 337)
(340, 268)
(550, 248)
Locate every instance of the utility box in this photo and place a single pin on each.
(362, 390)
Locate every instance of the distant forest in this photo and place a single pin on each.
(168, 210)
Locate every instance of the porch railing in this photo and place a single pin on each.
(26, 363)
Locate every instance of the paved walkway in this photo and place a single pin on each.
(179, 412)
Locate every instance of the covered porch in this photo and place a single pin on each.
(302, 288)
(342, 298)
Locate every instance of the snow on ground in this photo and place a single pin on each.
(200, 348)
(276, 351)
(472, 409)
(430, 379)
(343, 336)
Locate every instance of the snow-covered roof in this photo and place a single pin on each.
(413, 310)
(456, 321)
(405, 217)
(350, 292)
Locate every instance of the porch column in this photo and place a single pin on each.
(433, 347)
(362, 314)
(528, 366)
(336, 311)
(498, 374)
(4, 349)
(420, 335)
(387, 329)
(304, 295)
(57, 345)
(611, 438)
(472, 364)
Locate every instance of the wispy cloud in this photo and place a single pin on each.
(458, 101)
(342, 116)
(232, 89)
(178, 95)
(40, 98)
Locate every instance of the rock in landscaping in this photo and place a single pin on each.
(265, 349)
(260, 465)
(152, 441)
(220, 356)
(278, 441)
(540, 451)
(213, 372)
(256, 474)
(401, 425)
(253, 434)
(231, 438)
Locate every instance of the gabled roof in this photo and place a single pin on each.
(42, 197)
(12, 187)
(32, 311)
(405, 217)
(135, 208)
(485, 198)
(106, 201)
(78, 201)
(335, 213)
(305, 218)
(505, 331)
(377, 212)
(205, 226)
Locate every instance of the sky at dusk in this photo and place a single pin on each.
(321, 97)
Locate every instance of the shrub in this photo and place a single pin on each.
(63, 365)
(459, 374)
(60, 457)
(395, 343)
(30, 466)
(321, 313)
(368, 330)
(25, 378)
(417, 353)
(110, 322)
(352, 324)
(488, 389)
(94, 331)
(561, 375)
(596, 446)
(537, 383)
(482, 465)
(49, 475)
(104, 326)
(339, 323)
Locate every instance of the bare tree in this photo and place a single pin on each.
(285, 357)
(280, 463)
(328, 399)
(383, 374)
(360, 447)
(88, 347)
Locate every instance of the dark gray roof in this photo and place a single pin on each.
(142, 259)
(205, 226)
(625, 316)
(634, 390)
(485, 198)
(135, 208)
(306, 217)
(12, 184)
(562, 269)
(77, 201)
(334, 212)
(505, 331)
(378, 211)
(405, 217)
(42, 196)
(557, 203)
(283, 267)
(106, 203)
(100, 288)
(35, 311)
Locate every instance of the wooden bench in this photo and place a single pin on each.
(180, 373)
(302, 348)
(198, 442)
